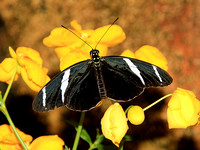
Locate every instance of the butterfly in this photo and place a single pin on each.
(82, 86)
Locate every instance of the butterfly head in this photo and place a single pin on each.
(95, 55)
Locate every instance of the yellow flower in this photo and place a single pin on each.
(151, 55)
(25, 53)
(136, 115)
(114, 123)
(50, 142)
(30, 67)
(66, 42)
(8, 140)
(114, 36)
(7, 68)
(183, 109)
(34, 75)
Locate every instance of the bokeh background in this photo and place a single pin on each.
(171, 26)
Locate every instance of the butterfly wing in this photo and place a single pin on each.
(74, 87)
(84, 95)
(125, 78)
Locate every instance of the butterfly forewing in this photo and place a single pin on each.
(68, 81)
(126, 78)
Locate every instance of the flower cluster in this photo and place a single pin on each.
(28, 63)
(70, 49)
(183, 111)
(8, 140)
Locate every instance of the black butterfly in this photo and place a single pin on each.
(82, 86)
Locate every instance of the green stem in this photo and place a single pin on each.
(80, 126)
(9, 85)
(5, 112)
(121, 146)
(162, 98)
(128, 109)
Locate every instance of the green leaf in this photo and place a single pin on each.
(66, 148)
(99, 137)
(97, 143)
(98, 133)
(106, 147)
(128, 138)
(84, 134)
(103, 147)
(99, 147)
(1, 100)
(73, 123)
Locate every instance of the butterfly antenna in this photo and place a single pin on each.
(76, 35)
(106, 32)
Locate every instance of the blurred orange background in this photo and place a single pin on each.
(171, 26)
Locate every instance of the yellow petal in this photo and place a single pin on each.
(152, 55)
(176, 119)
(12, 52)
(114, 124)
(7, 68)
(183, 110)
(62, 51)
(76, 26)
(114, 36)
(60, 37)
(8, 64)
(84, 34)
(8, 139)
(136, 115)
(4, 146)
(128, 53)
(50, 142)
(34, 75)
(187, 105)
(71, 58)
(28, 53)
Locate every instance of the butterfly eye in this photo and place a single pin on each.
(94, 53)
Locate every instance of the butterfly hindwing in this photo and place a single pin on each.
(68, 88)
(119, 84)
(85, 93)
(126, 78)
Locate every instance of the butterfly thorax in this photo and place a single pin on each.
(96, 61)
